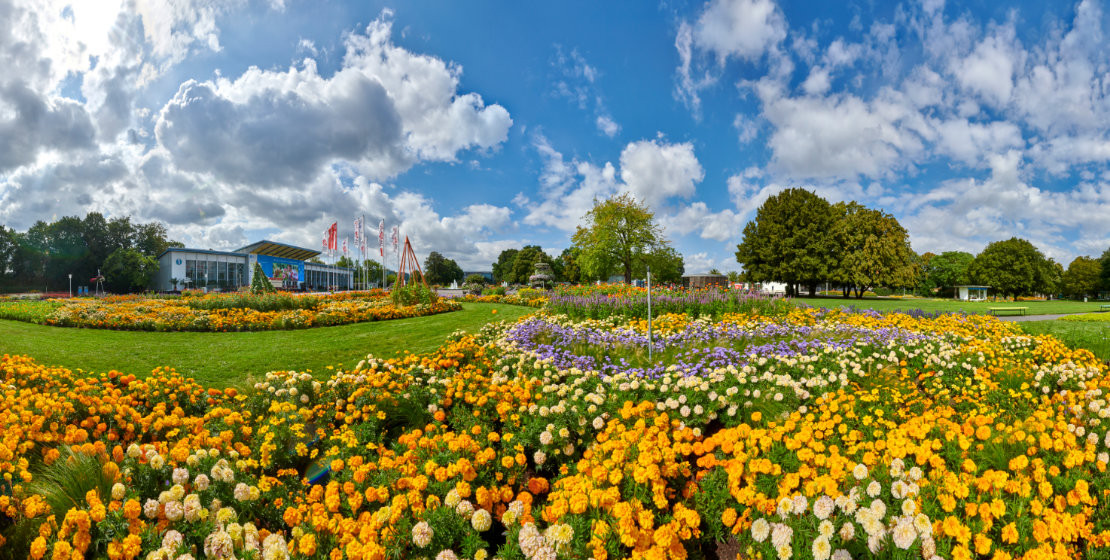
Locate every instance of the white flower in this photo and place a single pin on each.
(786, 505)
(904, 534)
(172, 539)
(447, 554)
(823, 507)
(826, 528)
(481, 520)
(874, 489)
(841, 554)
(422, 534)
(784, 552)
(452, 498)
(242, 492)
(908, 508)
(118, 491)
(180, 476)
(157, 462)
(821, 548)
(922, 524)
(847, 531)
(800, 504)
(464, 508)
(860, 472)
(134, 451)
(760, 529)
(545, 438)
(218, 545)
(201, 482)
(781, 535)
(275, 548)
(150, 509)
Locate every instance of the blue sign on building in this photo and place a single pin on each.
(289, 271)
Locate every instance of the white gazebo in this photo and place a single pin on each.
(971, 293)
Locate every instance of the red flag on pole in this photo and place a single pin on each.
(381, 237)
(333, 236)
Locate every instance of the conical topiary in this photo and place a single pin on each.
(260, 284)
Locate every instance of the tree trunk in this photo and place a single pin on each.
(846, 291)
(628, 272)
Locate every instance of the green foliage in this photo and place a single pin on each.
(476, 279)
(941, 272)
(1104, 276)
(503, 268)
(412, 294)
(524, 265)
(1082, 278)
(1013, 268)
(128, 270)
(258, 302)
(874, 249)
(619, 235)
(569, 261)
(495, 291)
(43, 256)
(667, 266)
(260, 284)
(441, 270)
(65, 482)
(789, 241)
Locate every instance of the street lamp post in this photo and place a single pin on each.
(71, 285)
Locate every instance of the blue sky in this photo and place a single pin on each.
(481, 126)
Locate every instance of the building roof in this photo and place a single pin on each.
(280, 250)
(199, 251)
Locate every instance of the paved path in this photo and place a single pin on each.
(1023, 318)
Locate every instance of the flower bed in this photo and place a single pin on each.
(233, 312)
(812, 434)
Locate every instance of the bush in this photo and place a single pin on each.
(413, 294)
(497, 291)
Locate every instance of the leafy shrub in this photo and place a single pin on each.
(413, 294)
(496, 291)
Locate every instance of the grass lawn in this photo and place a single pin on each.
(948, 305)
(236, 359)
(1093, 336)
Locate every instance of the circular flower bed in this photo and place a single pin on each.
(220, 312)
(812, 434)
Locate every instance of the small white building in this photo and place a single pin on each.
(285, 266)
(971, 293)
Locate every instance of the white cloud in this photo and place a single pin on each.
(607, 125)
(740, 28)
(744, 29)
(989, 69)
(654, 171)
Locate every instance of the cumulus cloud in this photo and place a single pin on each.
(385, 110)
(654, 171)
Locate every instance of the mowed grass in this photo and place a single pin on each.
(1093, 336)
(1055, 307)
(238, 359)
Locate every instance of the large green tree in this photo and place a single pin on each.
(617, 235)
(789, 241)
(1082, 278)
(439, 269)
(873, 249)
(524, 265)
(503, 268)
(667, 266)
(943, 271)
(128, 270)
(1013, 267)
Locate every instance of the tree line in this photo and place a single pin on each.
(41, 258)
(799, 238)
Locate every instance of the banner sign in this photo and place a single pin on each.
(277, 268)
